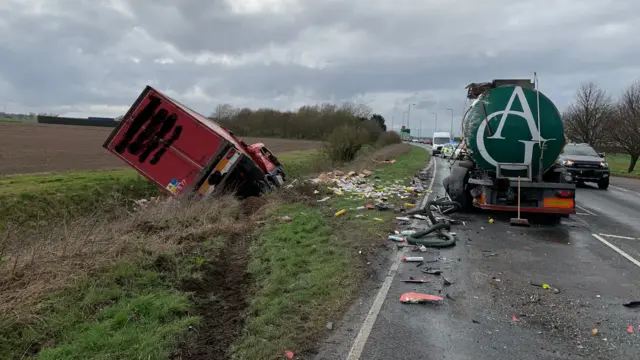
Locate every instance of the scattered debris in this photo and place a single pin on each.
(413, 259)
(546, 286)
(515, 318)
(446, 281)
(432, 271)
(416, 281)
(491, 221)
(490, 254)
(403, 218)
(450, 298)
(422, 248)
(378, 219)
(324, 199)
(475, 321)
(285, 219)
(630, 329)
(289, 354)
(632, 304)
(396, 238)
(329, 325)
(594, 332)
(416, 298)
(341, 212)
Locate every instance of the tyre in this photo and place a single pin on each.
(603, 184)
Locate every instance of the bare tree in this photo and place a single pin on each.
(224, 112)
(586, 120)
(625, 126)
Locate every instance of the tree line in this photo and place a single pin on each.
(598, 119)
(308, 122)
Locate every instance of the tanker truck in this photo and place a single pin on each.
(512, 133)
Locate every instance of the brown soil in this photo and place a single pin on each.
(33, 148)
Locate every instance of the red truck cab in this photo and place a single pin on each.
(186, 154)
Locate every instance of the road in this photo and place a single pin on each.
(493, 312)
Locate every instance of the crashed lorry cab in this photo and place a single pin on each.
(511, 131)
(188, 155)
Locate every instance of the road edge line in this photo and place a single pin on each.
(617, 249)
(363, 335)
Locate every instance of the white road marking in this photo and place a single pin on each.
(619, 237)
(583, 214)
(619, 188)
(369, 321)
(616, 249)
(585, 210)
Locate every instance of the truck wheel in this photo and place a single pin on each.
(265, 188)
(603, 183)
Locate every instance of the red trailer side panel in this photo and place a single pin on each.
(164, 142)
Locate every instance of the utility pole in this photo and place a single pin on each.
(451, 131)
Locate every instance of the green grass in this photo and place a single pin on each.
(309, 270)
(128, 312)
(30, 200)
(306, 272)
(619, 164)
(35, 199)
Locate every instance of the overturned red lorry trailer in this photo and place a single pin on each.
(188, 155)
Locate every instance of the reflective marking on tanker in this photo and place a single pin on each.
(531, 123)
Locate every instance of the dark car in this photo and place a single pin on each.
(585, 164)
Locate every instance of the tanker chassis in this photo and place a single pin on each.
(512, 134)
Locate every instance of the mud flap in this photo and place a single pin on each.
(454, 185)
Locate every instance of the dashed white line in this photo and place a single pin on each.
(616, 249)
(585, 210)
(619, 237)
(624, 190)
(369, 321)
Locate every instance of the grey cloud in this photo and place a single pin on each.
(424, 54)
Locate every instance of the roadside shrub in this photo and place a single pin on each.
(344, 143)
(388, 138)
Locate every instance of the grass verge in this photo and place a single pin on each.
(619, 164)
(177, 281)
(307, 271)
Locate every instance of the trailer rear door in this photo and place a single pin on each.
(164, 142)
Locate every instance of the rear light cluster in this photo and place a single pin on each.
(565, 194)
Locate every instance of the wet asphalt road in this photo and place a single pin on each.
(493, 312)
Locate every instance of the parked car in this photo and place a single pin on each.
(585, 164)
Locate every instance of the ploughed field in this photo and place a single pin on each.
(32, 148)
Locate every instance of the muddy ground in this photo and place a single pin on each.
(32, 148)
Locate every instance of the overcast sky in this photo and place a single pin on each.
(92, 57)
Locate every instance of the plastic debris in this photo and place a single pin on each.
(412, 259)
(416, 298)
(329, 325)
(396, 238)
(446, 281)
(378, 219)
(289, 354)
(632, 304)
(491, 221)
(341, 212)
(408, 205)
(594, 332)
(422, 248)
(324, 199)
(515, 318)
(403, 218)
(285, 219)
(630, 329)
(432, 271)
(416, 281)
(407, 232)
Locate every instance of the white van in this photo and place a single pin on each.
(439, 140)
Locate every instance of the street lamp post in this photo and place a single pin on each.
(451, 122)
(436, 127)
(409, 116)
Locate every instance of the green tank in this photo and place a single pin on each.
(501, 126)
